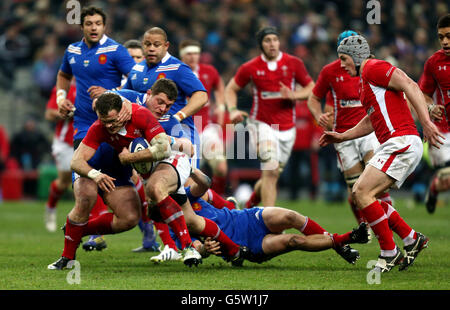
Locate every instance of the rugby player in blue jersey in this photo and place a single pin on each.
(94, 60)
(261, 229)
(192, 95)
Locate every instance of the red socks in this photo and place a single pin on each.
(173, 216)
(212, 230)
(311, 228)
(254, 200)
(378, 221)
(54, 195)
(101, 225)
(72, 238)
(356, 211)
(164, 234)
(397, 224)
(99, 208)
(217, 201)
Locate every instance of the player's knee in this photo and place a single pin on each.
(290, 217)
(130, 220)
(296, 241)
(157, 192)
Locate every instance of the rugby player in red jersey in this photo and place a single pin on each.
(435, 85)
(382, 92)
(274, 75)
(343, 110)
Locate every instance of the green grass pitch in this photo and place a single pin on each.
(26, 249)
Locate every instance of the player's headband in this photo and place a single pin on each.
(190, 49)
(265, 31)
(345, 34)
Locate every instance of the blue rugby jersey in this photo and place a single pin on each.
(142, 77)
(101, 65)
(169, 123)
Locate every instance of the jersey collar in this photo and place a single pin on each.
(263, 57)
(101, 42)
(165, 58)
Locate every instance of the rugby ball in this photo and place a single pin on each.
(139, 144)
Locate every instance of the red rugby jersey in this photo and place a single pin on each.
(435, 82)
(268, 106)
(344, 95)
(142, 124)
(387, 109)
(210, 79)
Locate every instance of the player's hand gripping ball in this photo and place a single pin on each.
(137, 145)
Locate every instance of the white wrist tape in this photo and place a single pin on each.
(160, 147)
(180, 115)
(93, 174)
(61, 95)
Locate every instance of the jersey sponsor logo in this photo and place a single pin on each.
(350, 103)
(196, 206)
(72, 61)
(134, 77)
(102, 59)
(161, 76)
(389, 71)
(154, 128)
(270, 94)
(340, 78)
(442, 68)
(260, 72)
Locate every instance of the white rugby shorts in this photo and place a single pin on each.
(351, 152)
(283, 141)
(62, 153)
(398, 157)
(180, 162)
(440, 156)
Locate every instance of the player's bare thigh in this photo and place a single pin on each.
(279, 219)
(369, 185)
(162, 182)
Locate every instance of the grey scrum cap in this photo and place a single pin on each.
(356, 47)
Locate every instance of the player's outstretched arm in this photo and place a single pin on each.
(363, 128)
(197, 100)
(401, 82)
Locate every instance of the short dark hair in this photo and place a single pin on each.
(133, 44)
(444, 21)
(167, 87)
(92, 10)
(107, 102)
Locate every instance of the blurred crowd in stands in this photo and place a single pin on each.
(35, 33)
